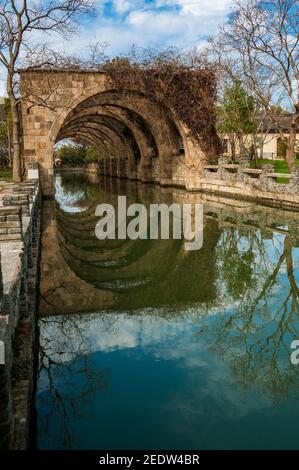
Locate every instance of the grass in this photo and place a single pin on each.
(5, 174)
(280, 166)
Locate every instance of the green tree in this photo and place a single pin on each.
(91, 155)
(75, 154)
(235, 116)
(71, 154)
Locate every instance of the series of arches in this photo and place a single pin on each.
(136, 136)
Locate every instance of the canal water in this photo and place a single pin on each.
(144, 345)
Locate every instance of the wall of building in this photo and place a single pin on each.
(270, 147)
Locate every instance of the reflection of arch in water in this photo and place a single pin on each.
(131, 274)
(61, 291)
(250, 338)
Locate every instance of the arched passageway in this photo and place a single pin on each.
(136, 137)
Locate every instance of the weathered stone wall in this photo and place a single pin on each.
(231, 180)
(136, 137)
(19, 241)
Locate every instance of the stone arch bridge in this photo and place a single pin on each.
(137, 138)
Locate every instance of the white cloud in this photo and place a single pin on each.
(200, 7)
(160, 23)
(182, 23)
(152, 24)
(123, 6)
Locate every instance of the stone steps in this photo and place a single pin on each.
(10, 223)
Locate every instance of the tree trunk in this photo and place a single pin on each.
(241, 145)
(261, 149)
(290, 158)
(9, 144)
(291, 152)
(233, 149)
(16, 150)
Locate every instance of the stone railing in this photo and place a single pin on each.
(19, 242)
(239, 181)
(265, 179)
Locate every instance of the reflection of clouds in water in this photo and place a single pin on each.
(160, 337)
(274, 249)
(124, 338)
(208, 380)
(68, 201)
(215, 390)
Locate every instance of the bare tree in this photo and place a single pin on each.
(260, 48)
(19, 19)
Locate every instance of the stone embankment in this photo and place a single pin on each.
(264, 186)
(20, 207)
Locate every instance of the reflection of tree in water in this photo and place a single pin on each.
(253, 276)
(67, 376)
(255, 338)
(237, 266)
(76, 189)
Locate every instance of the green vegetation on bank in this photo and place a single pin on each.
(76, 154)
(5, 174)
(280, 166)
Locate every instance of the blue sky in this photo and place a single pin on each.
(157, 23)
(145, 23)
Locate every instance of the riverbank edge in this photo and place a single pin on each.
(25, 347)
(19, 312)
(227, 189)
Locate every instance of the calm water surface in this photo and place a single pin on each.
(146, 345)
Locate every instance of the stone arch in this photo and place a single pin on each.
(129, 118)
(156, 121)
(136, 127)
(152, 128)
(104, 125)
